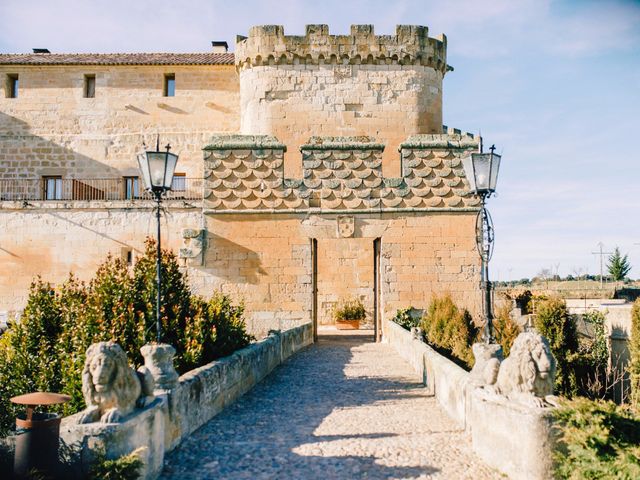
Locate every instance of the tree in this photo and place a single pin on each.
(618, 265)
(545, 275)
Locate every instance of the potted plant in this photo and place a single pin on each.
(348, 314)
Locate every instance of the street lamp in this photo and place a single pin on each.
(481, 170)
(157, 168)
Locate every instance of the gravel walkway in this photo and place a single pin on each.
(343, 408)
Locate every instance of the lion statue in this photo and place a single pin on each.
(111, 388)
(487, 363)
(527, 375)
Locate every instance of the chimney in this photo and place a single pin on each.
(220, 46)
(41, 50)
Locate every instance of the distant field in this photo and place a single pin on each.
(573, 288)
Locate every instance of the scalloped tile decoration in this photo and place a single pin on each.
(341, 179)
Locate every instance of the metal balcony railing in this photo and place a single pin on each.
(107, 189)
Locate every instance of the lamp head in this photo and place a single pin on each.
(481, 170)
(157, 169)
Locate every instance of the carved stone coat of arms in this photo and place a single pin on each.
(346, 226)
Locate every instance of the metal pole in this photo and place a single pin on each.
(486, 251)
(602, 254)
(601, 265)
(158, 270)
(487, 305)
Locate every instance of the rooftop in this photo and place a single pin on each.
(206, 58)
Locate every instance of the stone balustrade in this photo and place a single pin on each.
(182, 407)
(515, 439)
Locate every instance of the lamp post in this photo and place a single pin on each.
(481, 170)
(157, 168)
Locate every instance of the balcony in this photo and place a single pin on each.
(89, 189)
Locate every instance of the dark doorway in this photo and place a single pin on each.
(377, 330)
(314, 287)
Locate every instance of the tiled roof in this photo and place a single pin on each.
(116, 58)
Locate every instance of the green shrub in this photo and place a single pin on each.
(450, 330)
(27, 359)
(505, 329)
(405, 319)
(597, 440)
(351, 309)
(46, 349)
(596, 348)
(127, 467)
(590, 363)
(554, 322)
(216, 329)
(634, 352)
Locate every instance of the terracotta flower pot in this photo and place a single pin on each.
(348, 324)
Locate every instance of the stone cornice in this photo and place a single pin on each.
(244, 142)
(451, 140)
(411, 45)
(342, 143)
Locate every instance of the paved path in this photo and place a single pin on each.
(341, 409)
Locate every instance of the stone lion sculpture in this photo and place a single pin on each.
(527, 375)
(111, 388)
(487, 363)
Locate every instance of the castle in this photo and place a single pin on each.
(311, 168)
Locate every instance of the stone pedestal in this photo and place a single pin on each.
(515, 439)
(158, 358)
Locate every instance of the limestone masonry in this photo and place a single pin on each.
(312, 169)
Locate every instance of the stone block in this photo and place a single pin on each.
(514, 439)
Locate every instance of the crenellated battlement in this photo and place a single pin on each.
(411, 45)
(340, 174)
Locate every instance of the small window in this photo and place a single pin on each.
(52, 188)
(89, 86)
(127, 255)
(170, 85)
(12, 85)
(131, 188)
(179, 183)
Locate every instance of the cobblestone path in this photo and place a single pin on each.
(341, 409)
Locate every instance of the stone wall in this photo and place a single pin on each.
(52, 239)
(516, 440)
(199, 396)
(51, 129)
(294, 87)
(448, 382)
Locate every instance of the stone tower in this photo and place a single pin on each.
(385, 86)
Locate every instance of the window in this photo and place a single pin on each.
(131, 188)
(89, 86)
(179, 183)
(52, 188)
(170, 85)
(127, 255)
(12, 85)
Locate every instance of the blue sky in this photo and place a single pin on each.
(554, 84)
